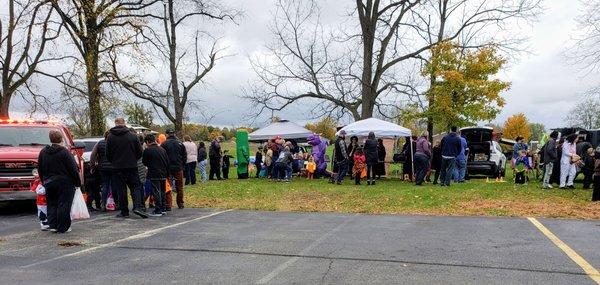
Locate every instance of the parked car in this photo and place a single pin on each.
(20, 144)
(89, 143)
(485, 154)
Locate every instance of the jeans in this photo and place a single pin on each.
(421, 166)
(178, 178)
(158, 192)
(105, 178)
(548, 167)
(460, 170)
(278, 172)
(122, 179)
(59, 196)
(202, 170)
(447, 170)
(342, 170)
(288, 172)
(370, 173)
(190, 173)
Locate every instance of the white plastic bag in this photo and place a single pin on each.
(79, 209)
(40, 190)
(110, 203)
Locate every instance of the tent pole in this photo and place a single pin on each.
(412, 158)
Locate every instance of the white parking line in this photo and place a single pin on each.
(305, 251)
(586, 266)
(130, 238)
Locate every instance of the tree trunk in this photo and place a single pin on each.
(4, 104)
(97, 122)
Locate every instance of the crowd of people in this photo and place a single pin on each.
(153, 167)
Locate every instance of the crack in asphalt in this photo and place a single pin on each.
(327, 272)
(341, 258)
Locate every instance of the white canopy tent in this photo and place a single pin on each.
(381, 128)
(285, 129)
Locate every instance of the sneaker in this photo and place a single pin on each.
(119, 215)
(338, 183)
(368, 182)
(51, 230)
(164, 213)
(143, 215)
(571, 187)
(155, 214)
(373, 182)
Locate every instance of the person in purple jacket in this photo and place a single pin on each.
(422, 158)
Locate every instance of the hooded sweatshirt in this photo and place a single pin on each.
(176, 153)
(55, 162)
(123, 149)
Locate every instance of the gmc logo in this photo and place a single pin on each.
(15, 165)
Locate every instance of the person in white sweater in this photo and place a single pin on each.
(568, 160)
(192, 160)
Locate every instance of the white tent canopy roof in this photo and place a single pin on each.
(285, 129)
(382, 129)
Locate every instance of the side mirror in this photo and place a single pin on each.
(78, 145)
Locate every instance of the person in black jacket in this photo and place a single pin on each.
(258, 160)
(436, 161)
(177, 160)
(59, 174)
(123, 150)
(214, 154)
(157, 161)
(550, 156)
(341, 156)
(226, 164)
(99, 161)
(372, 157)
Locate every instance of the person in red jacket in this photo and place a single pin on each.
(359, 164)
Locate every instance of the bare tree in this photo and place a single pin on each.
(373, 62)
(96, 27)
(585, 114)
(586, 50)
(188, 63)
(24, 37)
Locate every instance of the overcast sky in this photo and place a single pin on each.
(544, 84)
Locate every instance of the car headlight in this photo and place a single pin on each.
(34, 172)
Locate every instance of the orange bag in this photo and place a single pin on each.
(363, 173)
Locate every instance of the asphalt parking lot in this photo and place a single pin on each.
(200, 246)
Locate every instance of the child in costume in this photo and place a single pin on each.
(42, 206)
(311, 167)
(258, 160)
(359, 164)
(226, 164)
(522, 166)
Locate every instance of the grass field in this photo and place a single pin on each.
(393, 196)
(475, 197)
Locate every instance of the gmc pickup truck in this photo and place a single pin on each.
(20, 144)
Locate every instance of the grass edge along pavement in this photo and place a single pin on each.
(476, 197)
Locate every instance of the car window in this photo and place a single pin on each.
(23, 136)
(89, 145)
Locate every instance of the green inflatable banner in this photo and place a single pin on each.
(243, 153)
